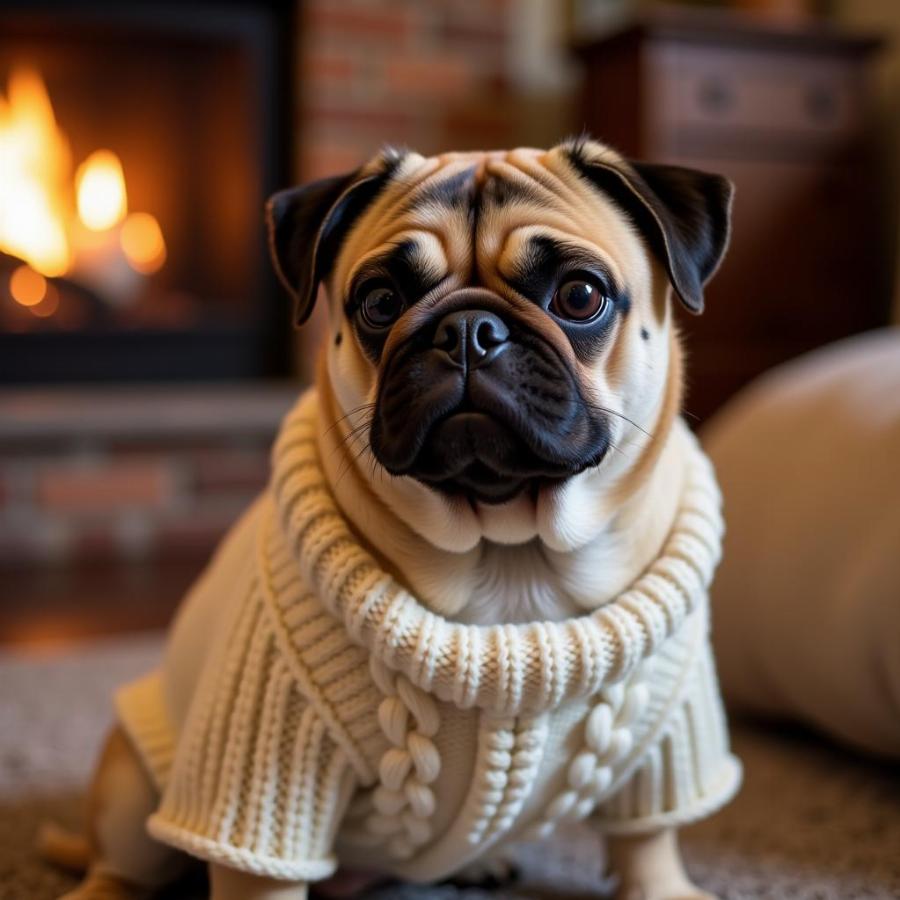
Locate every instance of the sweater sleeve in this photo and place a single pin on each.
(257, 782)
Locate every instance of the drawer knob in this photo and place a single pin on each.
(715, 96)
(821, 103)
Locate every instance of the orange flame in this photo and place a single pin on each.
(35, 162)
(100, 183)
(39, 222)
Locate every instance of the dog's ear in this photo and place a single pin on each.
(307, 225)
(684, 214)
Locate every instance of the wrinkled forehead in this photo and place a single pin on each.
(482, 208)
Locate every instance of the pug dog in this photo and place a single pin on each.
(468, 607)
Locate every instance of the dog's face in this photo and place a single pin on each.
(500, 324)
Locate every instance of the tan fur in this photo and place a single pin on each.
(64, 848)
(649, 455)
(124, 863)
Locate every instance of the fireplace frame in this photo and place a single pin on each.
(259, 347)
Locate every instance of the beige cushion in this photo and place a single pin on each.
(806, 605)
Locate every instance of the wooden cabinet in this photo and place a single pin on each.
(783, 112)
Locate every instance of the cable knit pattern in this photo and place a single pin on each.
(403, 800)
(691, 741)
(512, 752)
(622, 732)
(331, 715)
(552, 662)
(607, 740)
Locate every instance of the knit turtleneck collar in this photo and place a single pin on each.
(505, 669)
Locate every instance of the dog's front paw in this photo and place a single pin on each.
(489, 872)
(103, 886)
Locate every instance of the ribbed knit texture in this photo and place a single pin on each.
(259, 782)
(325, 682)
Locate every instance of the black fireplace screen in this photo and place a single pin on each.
(138, 142)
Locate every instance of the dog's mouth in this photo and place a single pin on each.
(470, 453)
(484, 484)
(485, 456)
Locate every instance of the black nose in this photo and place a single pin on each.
(471, 337)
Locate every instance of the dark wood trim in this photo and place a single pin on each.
(735, 29)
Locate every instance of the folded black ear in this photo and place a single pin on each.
(307, 225)
(684, 214)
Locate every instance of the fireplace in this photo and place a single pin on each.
(138, 142)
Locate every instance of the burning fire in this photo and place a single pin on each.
(34, 164)
(50, 222)
(102, 199)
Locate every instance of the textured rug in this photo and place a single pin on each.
(812, 823)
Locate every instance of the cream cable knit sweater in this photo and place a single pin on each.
(309, 709)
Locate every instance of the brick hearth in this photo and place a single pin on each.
(95, 475)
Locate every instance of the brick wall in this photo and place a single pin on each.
(429, 74)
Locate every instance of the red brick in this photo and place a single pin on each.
(493, 37)
(42, 540)
(322, 159)
(367, 24)
(17, 478)
(498, 84)
(482, 125)
(359, 140)
(436, 78)
(227, 471)
(95, 543)
(190, 537)
(320, 67)
(384, 118)
(17, 549)
(129, 450)
(105, 488)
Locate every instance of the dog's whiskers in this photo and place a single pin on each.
(619, 415)
(354, 434)
(349, 463)
(363, 407)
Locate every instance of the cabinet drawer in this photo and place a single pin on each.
(729, 94)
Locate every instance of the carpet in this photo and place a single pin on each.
(811, 823)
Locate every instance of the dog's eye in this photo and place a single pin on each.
(381, 306)
(579, 301)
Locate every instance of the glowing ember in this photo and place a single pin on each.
(143, 243)
(100, 183)
(48, 306)
(27, 286)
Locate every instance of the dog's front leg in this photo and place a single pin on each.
(649, 867)
(229, 884)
